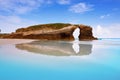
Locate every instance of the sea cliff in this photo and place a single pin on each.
(55, 31)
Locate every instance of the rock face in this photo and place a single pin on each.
(86, 33)
(53, 32)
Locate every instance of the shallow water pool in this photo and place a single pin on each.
(61, 60)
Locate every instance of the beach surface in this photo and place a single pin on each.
(14, 41)
(25, 59)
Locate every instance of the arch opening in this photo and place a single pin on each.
(76, 33)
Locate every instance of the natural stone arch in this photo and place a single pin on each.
(85, 32)
(65, 33)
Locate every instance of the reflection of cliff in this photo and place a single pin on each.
(55, 48)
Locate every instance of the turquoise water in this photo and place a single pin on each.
(61, 60)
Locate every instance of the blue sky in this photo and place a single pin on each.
(102, 15)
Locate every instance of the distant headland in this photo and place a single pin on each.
(53, 31)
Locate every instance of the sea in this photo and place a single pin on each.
(61, 60)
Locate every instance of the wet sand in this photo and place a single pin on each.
(14, 41)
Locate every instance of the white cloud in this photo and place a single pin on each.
(12, 8)
(101, 17)
(11, 23)
(10, 19)
(64, 1)
(81, 8)
(19, 6)
(104, 16)
(111, 31)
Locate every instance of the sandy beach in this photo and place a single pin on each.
(14, 41)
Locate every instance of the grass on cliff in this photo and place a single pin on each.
(43, 26)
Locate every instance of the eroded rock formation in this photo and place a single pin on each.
(86, 33)
(53, 32)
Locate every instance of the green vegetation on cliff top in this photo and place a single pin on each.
(43, 26)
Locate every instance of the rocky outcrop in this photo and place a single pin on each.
(2, 35)
(53, 32)
(86, 33)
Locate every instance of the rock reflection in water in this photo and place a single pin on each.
(76, 46)
(56, 48)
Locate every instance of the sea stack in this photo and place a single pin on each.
(55, 31)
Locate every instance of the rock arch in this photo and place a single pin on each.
(65, 33)
(85, 33)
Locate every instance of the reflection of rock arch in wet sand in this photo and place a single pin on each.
(55, 48)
